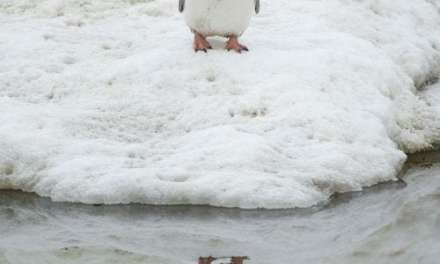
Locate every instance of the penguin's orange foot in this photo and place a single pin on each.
(233, 44)
(200, 43)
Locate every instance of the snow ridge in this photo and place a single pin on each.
(105, 102)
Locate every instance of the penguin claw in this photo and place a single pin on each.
(233, 44)
(238, 49)
(201, 44)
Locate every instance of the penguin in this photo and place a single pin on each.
(223, 18)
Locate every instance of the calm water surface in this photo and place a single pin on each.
(389, 223)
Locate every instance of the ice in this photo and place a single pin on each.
(105, 101)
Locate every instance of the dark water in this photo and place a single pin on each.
(389, 223)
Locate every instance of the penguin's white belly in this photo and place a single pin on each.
(219, 17)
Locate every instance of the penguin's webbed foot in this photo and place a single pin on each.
(233, 44)
(200, 43)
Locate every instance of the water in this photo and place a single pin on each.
(389, 223)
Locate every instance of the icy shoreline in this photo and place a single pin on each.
(387, 223)
(106, 103)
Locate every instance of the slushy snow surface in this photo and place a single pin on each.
(105, 101)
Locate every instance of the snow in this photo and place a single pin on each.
(105, 101)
